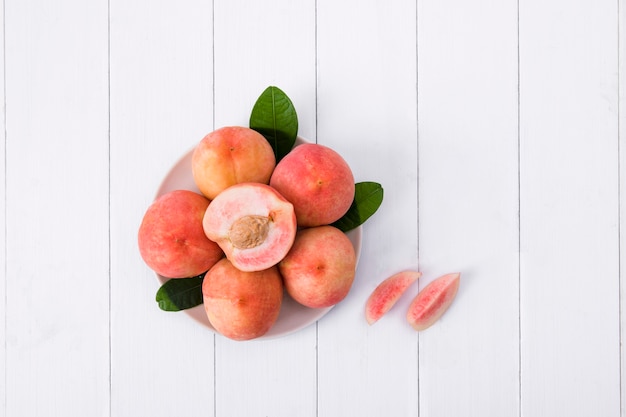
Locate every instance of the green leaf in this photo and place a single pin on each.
(180, 293)
(368, 196)
(274, 116)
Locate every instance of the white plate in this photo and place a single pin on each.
(293, 316)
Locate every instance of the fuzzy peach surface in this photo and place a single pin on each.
(171, 238)
(318, 181)
(242, 305)
(319, 269)
(231, 155)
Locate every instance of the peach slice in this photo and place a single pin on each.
(242, 305)
(387, 293)
(171, 238)
(231, 155)
(319, 269)
(253, 224)
(431, 302)
(318, 181)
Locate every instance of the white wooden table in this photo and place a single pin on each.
(497, 129)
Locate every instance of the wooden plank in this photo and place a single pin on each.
(3, 224)
(467, 83)
(161, 106)
(569, 217)
(367, 112)
(57, 220)
(258, 44)
(622, 182)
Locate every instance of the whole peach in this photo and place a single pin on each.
(319, 269)
(317, 181)
(231, 155)
(242, 305)
(171, 238)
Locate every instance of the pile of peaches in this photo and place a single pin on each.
(269, 218)
(257, 228)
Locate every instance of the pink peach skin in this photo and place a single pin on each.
(319, 269)
(171, 238)
(231, 155)
(431, 302)
(318, 181)
(242, 305)
(387, 293)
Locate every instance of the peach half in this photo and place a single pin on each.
(320, 268)
(318, 181)
(171, 238)
(253, 224)
(231, 155)
(242, 305)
